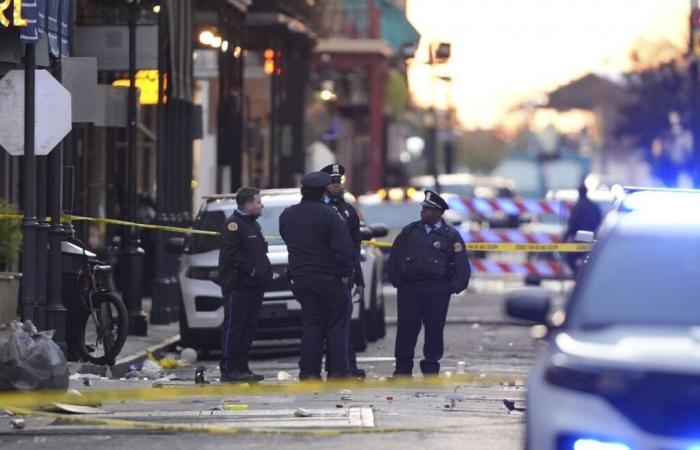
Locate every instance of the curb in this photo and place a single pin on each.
(121, 366)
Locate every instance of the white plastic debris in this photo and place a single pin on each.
(17, 424)
(283, 376)
(461, 367)
(150, 366)
(301, 412)
(189, 354)
(448, 374)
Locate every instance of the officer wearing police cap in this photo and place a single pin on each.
(427, 264)
(321, 266)
(334, 197)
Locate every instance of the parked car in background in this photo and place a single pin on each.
(201, 306)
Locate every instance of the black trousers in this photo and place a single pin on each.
(241, 311)
(324, 314)
(352, 357)
(424, 304)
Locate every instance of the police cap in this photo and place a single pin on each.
(336, 171)
(316, 180)
(433, 200)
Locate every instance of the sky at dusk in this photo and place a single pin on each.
(505, 52)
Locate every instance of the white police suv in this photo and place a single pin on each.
(622, 367)
(201, 306)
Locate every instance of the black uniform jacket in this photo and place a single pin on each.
(439, 257)
(317, 240)
(243, 257)
(352, 220)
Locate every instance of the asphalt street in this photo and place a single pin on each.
(457, 415)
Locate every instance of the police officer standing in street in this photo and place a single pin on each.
(334, 197)
(244, 273)
(427, 264)
(321, 267)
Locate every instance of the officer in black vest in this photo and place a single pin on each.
(334, 197)
(321, 267)
(244, 273)
(428, 263)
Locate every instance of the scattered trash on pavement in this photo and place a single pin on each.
(283, 376)
(510, 406)
(301, 412)
(30, 360)
(461, 367)
(189, 355)
(235, 407)
(200, 376)
(17, 424)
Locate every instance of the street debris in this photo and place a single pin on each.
(510, 406)
(283, 376)
(30, 360)
(461, 367)
(189, 355)
(200, 376)
(453, 399)
(235, 407)
(301, 412)
(17, 424)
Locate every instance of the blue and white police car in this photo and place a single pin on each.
(622, 367)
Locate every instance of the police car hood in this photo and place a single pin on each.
(661, 348)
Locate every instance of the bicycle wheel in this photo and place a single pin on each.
(104, 330)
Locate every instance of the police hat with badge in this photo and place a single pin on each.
(336, 171)
(434, 201)
(316, 180)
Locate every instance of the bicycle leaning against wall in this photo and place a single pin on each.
(96, 320)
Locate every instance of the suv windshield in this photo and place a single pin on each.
(641, 279)
(214, 221)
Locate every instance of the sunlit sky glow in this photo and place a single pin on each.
(505, 52)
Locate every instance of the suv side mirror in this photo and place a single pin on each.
(379, 230)
(175, 245)
(531, 304)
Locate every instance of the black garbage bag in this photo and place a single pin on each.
(30, 360)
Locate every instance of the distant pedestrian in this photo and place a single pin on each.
(428, 263)
(585, 216)
(321, 267)
(244, 273)
(334, 197)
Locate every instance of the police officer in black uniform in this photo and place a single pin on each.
(321, 267)
(244, 273)
(428, 263)
(334, 197)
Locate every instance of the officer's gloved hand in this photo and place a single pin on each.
(357, 294)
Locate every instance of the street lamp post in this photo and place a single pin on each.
(132, 255)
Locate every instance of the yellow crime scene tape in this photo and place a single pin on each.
(472, 246)
(174, 391)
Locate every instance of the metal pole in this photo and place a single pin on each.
(42, 242)
(29, 222)
(55, 311)
(132, 253)
(164, 289)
